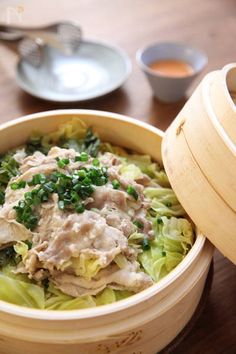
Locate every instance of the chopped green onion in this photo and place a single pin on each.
(138, 223)
(96, 162)
(37, 179)
(159, 221)
(32, 221)
(74, 196)
(82, 173)
(100, 181)
(25, 214)
(82, 157)
(115, 184)
(14, 186)
(29, 244)
(28, 196)
(43, 195)
(77, 187)
(80, 208)
(71, 189)
(62, 162)
(168, 204)
(18, 185)
(146, 244)
(131, 191)
(49, 187)
(61, 204)
(54, 177)
(87, 181)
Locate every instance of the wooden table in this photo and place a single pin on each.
(208, 24)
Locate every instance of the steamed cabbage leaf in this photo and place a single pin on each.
(131, 172)
(173, 239)
(9, 271)
(21, 249)
(108, 296)
(73, 129)
(56, 300)
(116, 150)
(85, 265)
(164, 202)
(152, 169)
(73, 134)
(143, 162)
(21, 293)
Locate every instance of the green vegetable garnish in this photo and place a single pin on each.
(115, 184)
(29, 244)
(89, 144)
(82, 157)
(131, 191)
(61, 204)
(37, 179)
(49, 187)
(25, 214)
(18, 185)
(138, 223)
(79, 207)
(62, 162)
(96, 162)
(8, 169)
(35, 144)
(145, 244)
(71, 189)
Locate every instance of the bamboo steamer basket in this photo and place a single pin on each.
(142, 324)
(199, 156)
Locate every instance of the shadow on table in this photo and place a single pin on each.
(117, 99)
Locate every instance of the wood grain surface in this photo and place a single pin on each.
(131, 24)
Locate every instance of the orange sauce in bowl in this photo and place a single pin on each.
(171, 68)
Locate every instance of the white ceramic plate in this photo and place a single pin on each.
(94, 70)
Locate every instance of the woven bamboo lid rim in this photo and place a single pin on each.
(223, 96)
(226, 71)
(211, 114)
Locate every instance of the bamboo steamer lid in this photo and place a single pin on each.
(212, 148)
(200, 160)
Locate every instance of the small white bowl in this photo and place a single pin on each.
(167, 88)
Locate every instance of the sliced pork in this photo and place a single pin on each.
(64, 240)
(112, 277)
